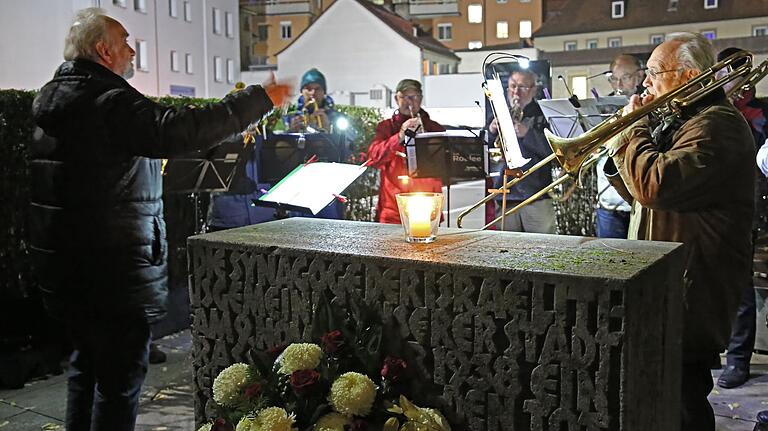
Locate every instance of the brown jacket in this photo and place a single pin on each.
(698, 191)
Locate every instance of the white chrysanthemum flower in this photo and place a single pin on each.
(352, 394)
(268, 419)
(300, 356)
(331, 422)
(229, 384)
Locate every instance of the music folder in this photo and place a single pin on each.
(311, 187)
(211, 171)
(453, 154)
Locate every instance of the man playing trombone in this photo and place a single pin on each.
(692, 173)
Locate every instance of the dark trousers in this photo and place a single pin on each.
(743, 331)
(697, 413)
(107, 369)
(612, 224)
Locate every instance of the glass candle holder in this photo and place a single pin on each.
(420, 215)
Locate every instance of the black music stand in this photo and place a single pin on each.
(451, 155)
(281, 153)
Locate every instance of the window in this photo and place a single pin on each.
(285, 29)
(230, 71)
(614, 42)
(263, 32)
(216, 20)
(444, 69)
(475, 13)
(229, 25)
(140, 6)
(502, 29)
(709, 34)
(217, 72)
(525, 1)
(173, 9)
(579, 86)
(120, 3)
(710, 4)
(475, 44)
(617, 9)
(526, 28)
(188, 63)
(570, 45)
(187, 12)
(672, 6)
(174, 61)
(501, 1)
(445, 31)
(142, 56)
(760, 30)
(656, 39)
(591, 43)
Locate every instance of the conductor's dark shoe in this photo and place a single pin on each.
(156, 356)
(733, 377)
(762, 421)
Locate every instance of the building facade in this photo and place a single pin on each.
(183, 47)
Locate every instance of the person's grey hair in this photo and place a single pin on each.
(695, 51)
(89, 27)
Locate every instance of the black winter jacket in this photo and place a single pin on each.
(97, 229)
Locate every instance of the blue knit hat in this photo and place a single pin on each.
(313, 76)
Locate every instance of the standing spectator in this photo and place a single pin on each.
(97, 229)
(390, 140)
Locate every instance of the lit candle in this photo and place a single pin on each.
(420, 216)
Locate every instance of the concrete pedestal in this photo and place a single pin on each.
(520, 331)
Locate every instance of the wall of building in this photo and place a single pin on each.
(472, 61)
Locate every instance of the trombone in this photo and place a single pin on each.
(574, 154)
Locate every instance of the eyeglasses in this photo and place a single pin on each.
(613, 79)
(519, 87)
(653, 74)
(411, 98)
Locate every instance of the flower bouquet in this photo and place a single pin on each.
(349, 380)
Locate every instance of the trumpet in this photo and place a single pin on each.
(312, 116)
(418, 117)
(574, 154)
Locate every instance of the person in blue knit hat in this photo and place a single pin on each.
(314, 109)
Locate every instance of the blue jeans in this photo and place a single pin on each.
(107, 369)
(612, 224)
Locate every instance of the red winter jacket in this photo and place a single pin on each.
(381, 153)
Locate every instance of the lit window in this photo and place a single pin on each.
(173, 9)
(592, 44)
(526, 28)
(188, 63)
(709, 34)
(230, 71)
(502, 29)
(445, 31)
(617, 9)
(475, 13)
(217, 72)
(174, 61)
(139, 5)
(760, 30)
(285, 30)
(475, 44)
(710, 4)
(187, 12)
(229, 25)
(216, 21)
(570, 45)
(657, 39)
(614, 42)
(120, 3)
(142, 56)
(579, 86)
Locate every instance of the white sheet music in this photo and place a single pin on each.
(566, 121)
(512, 154)
(314, 186)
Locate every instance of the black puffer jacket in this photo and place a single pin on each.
(97, 229)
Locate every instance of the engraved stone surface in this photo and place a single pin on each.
(520, 331)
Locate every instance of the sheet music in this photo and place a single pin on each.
(566, 121)
(512, 154)
(314, 186)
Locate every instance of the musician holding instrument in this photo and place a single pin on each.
(692, 172)
(314, 108)
(387, 150)
(742, 342)
(612, 214)
(529, 121)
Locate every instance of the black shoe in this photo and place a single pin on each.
(733, 377)
(762, 421)
(156, 356)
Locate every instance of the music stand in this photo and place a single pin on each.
(450, 155)
(281, 153)
(567, 121)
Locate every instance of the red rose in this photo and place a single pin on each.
(304, 381)
(332, 341)
(393, 368)
(277, 350)
(253, 391)
(221, 424)
(356, 425)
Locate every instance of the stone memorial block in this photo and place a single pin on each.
(517, 331)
